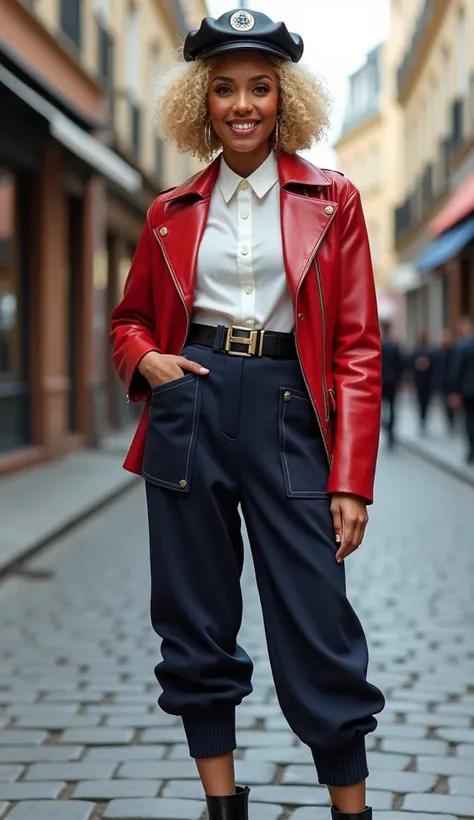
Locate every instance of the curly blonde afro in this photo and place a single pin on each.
(182, 108)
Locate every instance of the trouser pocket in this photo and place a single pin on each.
(172, 433)
(302, 455)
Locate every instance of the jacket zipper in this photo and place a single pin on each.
(323, 328)
(323, 316)
(165, 257)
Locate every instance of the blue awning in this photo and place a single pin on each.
(444, 247)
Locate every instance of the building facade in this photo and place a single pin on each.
(424, 128)
(434, 85)
(80, 161)
(364, 154)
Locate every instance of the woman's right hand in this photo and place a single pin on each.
(160, 368)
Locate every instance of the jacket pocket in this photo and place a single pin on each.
(172, 432)
(302, 454)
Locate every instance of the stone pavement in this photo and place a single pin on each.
(40, 503)
(440, 448)
(81, 737)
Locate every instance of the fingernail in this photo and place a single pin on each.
(203, 370)
(338, 538)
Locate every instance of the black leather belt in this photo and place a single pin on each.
(240, 341)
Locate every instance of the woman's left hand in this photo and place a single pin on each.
(350, 518)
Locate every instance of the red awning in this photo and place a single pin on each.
(458, 207)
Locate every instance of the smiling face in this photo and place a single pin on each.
(243, 102)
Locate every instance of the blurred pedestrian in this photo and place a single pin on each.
(260, 366)
(444, 375)
(422, 369)
(463, 380)
(392, 370)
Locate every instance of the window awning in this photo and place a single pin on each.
(97, 155)
(444, 247)
(460, 205)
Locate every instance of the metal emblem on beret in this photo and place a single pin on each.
(242, 21)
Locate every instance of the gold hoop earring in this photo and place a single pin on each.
(208, 135)
(276, 137)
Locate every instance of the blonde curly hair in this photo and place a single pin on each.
(182, 108)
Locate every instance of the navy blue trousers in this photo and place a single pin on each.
(246, 434)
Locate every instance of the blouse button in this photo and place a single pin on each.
(244, 215)
(249, 289)
(244, 185)
(244, 251)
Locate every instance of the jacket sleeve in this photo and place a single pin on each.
(133, 320)
(356, 361)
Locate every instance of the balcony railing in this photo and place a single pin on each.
(353, 119)
(419, 203)
(409, 59)
(71, 20)
(178, 12)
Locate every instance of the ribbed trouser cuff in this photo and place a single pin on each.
(210, 733)
(344, 766)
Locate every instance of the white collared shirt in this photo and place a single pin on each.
(241, 276)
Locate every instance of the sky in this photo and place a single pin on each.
(337, 36)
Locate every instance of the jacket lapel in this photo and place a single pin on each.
(179, 234)
(306, 215)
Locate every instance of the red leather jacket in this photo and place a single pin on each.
(330, 278)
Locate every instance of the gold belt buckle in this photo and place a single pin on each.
(250, 341)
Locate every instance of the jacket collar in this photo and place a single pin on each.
(292, 170)
(261, 181)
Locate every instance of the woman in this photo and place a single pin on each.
(443, 377)
(249, 328)
(422, 365)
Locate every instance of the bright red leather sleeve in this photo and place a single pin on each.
(356, 361)
(133, 320)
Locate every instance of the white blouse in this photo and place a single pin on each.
(240, 271)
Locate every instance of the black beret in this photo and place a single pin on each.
(242, 29)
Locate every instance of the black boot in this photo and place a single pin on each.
(361, 815)
(230, 806)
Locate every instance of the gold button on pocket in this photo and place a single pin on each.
(183, 483)
(301, 447)
(163, 231)
(329, 210)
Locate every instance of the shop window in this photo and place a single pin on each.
(132, 53)
(71, 20)
(447, 85)
(463, 55)
(102, 9)
(14, 389)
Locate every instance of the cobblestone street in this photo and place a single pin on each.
(81, 737)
